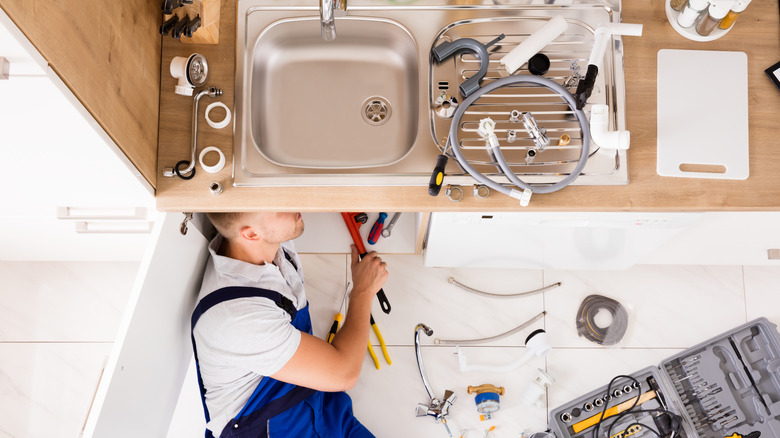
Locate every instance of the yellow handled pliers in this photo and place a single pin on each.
(381, 344)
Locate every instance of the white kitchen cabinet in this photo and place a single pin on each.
(327, 233)
(142, 380)
(549, 240)
(723, 238)
(616, 240)
(57, 157)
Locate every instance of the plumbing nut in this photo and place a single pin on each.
(588, 407)
(215, 188)
(514, 116)
(617, 393)
(511, 136)
(598, 402)
(627, 389)
(565, 417)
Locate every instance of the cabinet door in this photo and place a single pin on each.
(141, 383)
(549, 240)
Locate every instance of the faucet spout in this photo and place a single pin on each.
(328, 10)
(436, 408)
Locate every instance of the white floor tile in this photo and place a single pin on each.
(385, 400)
(63, 301)
(419, 294)
(46, 389)
(667, 306)
(762, 292)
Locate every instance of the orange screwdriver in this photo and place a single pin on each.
(338, 318)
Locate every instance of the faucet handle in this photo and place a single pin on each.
(450, 397)
(423, 410)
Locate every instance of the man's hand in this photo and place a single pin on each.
(369, 274)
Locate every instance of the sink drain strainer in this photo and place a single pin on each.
(376, 110)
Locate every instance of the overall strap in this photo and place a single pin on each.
(220, 296)
(234, 292)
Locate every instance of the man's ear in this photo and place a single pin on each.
(249, 233)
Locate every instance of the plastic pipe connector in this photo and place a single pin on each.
(533, 44)
(449, 48)
(600, 133)
(602, 35)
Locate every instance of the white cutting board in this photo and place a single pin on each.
(702, 114)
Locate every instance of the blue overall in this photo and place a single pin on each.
(279, 409)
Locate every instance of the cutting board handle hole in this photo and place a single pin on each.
(703, 168)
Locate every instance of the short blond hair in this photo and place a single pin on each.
(228, 224)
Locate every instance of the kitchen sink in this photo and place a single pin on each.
(347, 103)
(365, 108)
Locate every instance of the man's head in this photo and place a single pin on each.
(272, 228)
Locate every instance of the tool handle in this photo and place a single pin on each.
(376, 229)
(437, 177)
(382, 344)
(334, 327)
(373, 355)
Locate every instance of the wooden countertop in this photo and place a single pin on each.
(757, 32)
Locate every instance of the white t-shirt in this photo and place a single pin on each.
(241, 340)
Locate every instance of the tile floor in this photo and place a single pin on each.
(52, 344)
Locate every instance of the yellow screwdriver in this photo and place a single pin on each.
(338, 318)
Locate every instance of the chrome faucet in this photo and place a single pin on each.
(328, 10)
(435, 408)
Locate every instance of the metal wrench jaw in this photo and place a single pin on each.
(387, 230)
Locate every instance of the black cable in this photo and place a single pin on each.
(676, 421)
(587, 327)
(178, 172)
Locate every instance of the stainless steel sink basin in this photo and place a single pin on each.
(347, 103)
(362, 109)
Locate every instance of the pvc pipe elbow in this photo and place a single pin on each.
(599, 130)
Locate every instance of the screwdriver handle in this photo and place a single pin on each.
(376, 230)
(334, 327)
(437, 177)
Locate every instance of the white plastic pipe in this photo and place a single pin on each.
(600, 133)
(536, 346)
(602, 35)
(533, 44)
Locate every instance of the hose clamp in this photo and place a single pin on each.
(458, 193)
(481, 191)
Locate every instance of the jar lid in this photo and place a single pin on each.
(740, 5)
(539, 64)
(718, 10)
(698, 5)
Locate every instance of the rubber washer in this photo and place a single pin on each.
(539, 64)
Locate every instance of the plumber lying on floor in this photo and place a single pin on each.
(261, 371)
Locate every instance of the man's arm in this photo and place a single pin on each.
(336, 367)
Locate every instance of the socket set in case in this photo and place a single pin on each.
(727, 385)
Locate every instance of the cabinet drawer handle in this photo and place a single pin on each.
(114, 227)
(85, 213)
